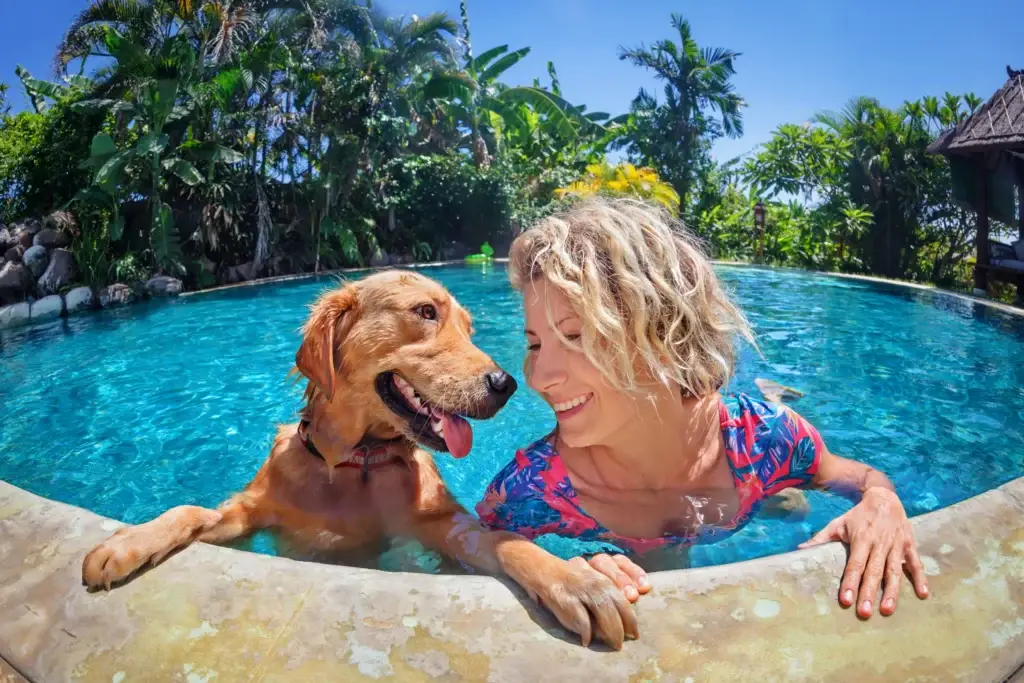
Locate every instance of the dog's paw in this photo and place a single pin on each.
(589, 604)
(128, 550)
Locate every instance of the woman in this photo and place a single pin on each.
(630, 340)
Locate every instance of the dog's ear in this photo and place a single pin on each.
(319, 356)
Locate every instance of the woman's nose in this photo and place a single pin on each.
(548, 371)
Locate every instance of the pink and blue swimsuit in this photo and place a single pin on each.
(768, 449)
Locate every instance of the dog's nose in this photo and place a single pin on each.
(501, 383)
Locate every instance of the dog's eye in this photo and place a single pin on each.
(426, 311)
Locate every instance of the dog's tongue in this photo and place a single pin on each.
(458, 435)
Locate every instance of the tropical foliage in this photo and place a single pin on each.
(220, 140)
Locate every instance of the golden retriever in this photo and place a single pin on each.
(391, 367)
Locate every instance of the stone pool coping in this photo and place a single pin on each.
(212, 614)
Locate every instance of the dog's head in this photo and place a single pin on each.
(391, 354)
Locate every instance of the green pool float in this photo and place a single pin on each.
(486, 255)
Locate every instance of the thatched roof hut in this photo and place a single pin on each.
(986, 153)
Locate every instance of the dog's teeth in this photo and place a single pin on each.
(438, 427)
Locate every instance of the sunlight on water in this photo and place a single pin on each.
(134, 411)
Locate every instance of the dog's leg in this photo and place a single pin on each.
(583, 600)
(132, 547)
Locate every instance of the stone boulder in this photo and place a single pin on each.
(24, 238)
(48, 307)
(15, 314)
(164, 285)
(36, 259)
(79, 298)
(31, 226)
(15, 254)
(59, 272)
(240, 273)
(454, 251)
(51, 239)
(380, 259)
(7, 238)
(15, 281)
(117, 294)
(61, 221)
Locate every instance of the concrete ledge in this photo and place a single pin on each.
(216, 614)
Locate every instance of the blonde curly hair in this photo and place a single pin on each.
(648, 297)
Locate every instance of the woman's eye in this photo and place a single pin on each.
(573, 337)
(533, 347)
(426, 311)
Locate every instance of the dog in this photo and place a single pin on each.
(391, 370)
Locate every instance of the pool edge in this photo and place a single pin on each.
(241, 616)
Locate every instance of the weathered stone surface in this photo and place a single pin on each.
(51, 239)
(79, 298)
(48, 307)
(217, 614)
(163, 285)
(24, 238)
(36, 259)
(14, 315)
(15, 254)
(9, 675)
(240, 273)
(15, 281)
(31, 226)
(117, 294)
(59, 272)
(7, 238)
(64, 221)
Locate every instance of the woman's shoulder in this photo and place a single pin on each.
(739, 405)
(777, 442)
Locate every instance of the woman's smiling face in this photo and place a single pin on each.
(588, 409)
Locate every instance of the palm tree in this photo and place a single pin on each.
(218, 29)
(696, 81)
(474, 95)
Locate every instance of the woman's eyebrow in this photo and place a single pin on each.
(559, 322)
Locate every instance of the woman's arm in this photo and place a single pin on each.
(877, 531)
(848, 478)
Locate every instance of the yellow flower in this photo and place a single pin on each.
(623, 179)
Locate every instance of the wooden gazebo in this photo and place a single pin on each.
(986, 154)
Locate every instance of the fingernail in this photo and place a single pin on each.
(631, 593)
(889, 603)
(848, 596)
(866, 607)
(644, 583)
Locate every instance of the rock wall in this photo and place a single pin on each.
(36, 269)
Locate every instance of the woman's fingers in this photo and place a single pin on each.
(607, 566)
(867, 601)
(635, 572)
(916, 570)
(893, 578)
(860, 550)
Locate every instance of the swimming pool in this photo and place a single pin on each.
(129, 412)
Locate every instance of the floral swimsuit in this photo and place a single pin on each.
(768, 448)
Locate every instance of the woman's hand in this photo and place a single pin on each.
(624, 573)
(881, 541)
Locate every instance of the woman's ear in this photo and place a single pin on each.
(319, 356)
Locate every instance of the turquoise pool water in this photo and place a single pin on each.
(133, 411)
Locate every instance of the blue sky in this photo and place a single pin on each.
(799, 56)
